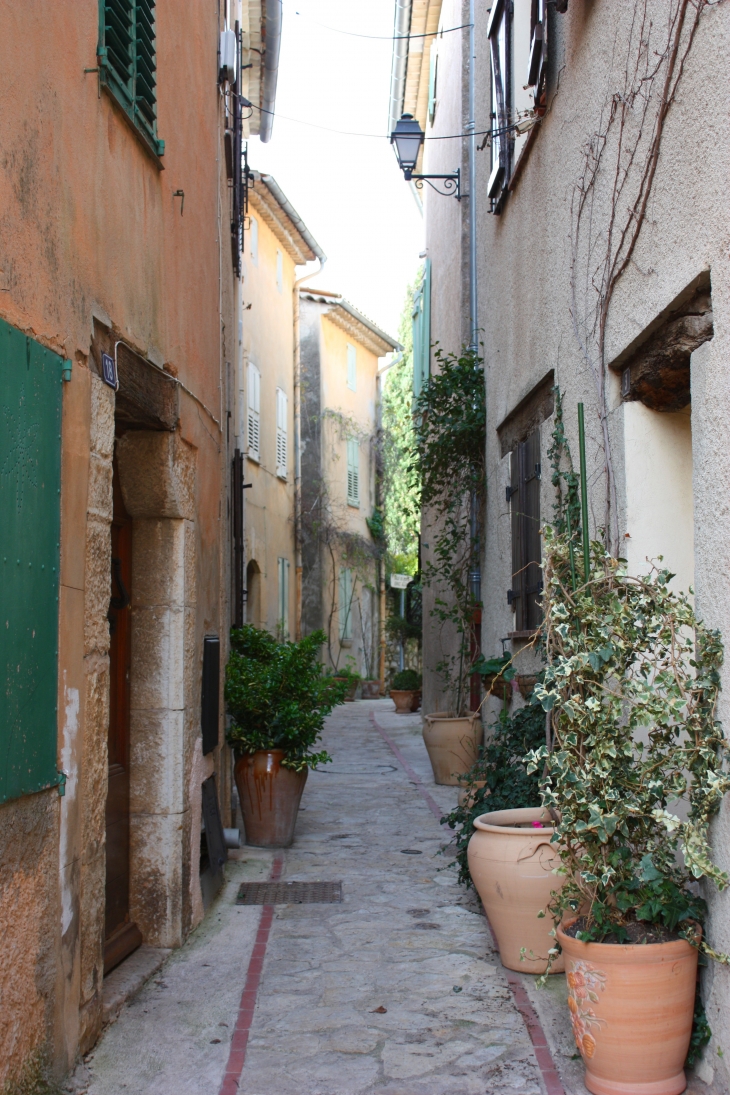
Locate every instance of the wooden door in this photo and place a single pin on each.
(122, 937)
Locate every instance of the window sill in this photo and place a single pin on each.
(141, 136)
(353, 505)
(253, 458)
(523, 635)
(282, 476)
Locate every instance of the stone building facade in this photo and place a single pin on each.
(118, 337)
(342, 576)
(602, 269)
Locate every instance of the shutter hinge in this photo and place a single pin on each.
(511, 598)
(509, 491)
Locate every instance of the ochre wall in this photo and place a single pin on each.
(91, 227)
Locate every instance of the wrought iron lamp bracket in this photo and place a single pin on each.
(450, 184)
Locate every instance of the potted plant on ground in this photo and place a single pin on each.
(277, 696)
(405, 691)
(505, 853)
(451, 443)
(349, 676)
(631, 685)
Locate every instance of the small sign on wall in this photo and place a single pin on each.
(109, 371)
(400, 581)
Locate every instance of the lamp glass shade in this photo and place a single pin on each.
(407, 138)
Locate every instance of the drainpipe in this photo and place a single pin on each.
(475, 576)
(401, 27)
(272, 46)
(298, 448)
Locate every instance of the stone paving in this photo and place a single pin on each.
(396, 991)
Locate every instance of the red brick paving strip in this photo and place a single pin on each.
(543, 1056)
(242, 1029)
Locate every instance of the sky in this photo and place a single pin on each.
(348, 189)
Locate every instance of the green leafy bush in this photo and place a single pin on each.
(407, 680)
(502, 766)
(278, 696)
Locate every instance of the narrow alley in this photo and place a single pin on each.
(397, 989)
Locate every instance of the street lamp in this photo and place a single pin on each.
(407, 137)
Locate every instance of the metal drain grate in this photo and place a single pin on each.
(289, 893)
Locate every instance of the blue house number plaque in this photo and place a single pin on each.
(109, 371)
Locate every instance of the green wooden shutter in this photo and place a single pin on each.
(432, 80)
(128, 61)
(30, 524)
(422, 331)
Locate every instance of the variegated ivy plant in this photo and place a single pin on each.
(637, 764)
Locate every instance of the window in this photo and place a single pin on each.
(253, 241)
(351, 367)
(353, 472)
(279, 271)
(345, 607)
(283, 612)
(524, 490)
(538, 48)
(432, 82)
(422, 331)
(254, 410)
(128, 63)
(281, 433)
(498, 34)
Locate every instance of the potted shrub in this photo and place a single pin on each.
(506, 853)
(631, 685)
(497, 675)
(370, 689)
(405, 691)
(348, 676)
(277, 696)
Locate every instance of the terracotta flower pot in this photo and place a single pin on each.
(631, 1006)
(370, 690)
(403, 700)
(416, 703)
(511, 865)
(351, 687)
(452, 744)
(270, 797)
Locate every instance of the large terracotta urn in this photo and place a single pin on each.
(269, 796)
(511, 861)
(452, 745)
(631, 1006)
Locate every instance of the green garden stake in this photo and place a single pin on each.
(584, 494)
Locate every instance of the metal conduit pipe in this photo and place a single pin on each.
(272, 46)
(401, 29)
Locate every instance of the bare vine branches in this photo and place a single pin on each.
(611, 196)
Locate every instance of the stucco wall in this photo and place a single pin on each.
(91, 228)
(268, 342)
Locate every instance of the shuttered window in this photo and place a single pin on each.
(128, 62)
(421, 317)
(345, 605)
(353, 472)
(498, 34)
(283, 614)
(432, 81)
(30, 528)
(538, 48)
(524, 596)
(254, 410)
(281, 433)
(351, 367)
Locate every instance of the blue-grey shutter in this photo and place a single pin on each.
(422, 332)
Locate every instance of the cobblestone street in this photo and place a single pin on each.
(396, 990)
